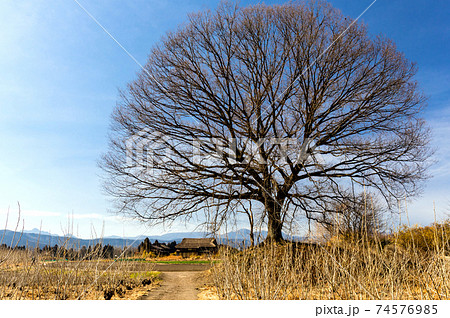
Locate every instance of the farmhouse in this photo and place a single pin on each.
(160, 249)
(197, 246)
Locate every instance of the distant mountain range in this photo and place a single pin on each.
(36, 231)
(34, 237)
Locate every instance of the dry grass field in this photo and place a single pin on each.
(24, 275)
(403, 267)
(412, 263)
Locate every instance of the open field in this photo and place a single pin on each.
(412, 263)
(23, 276)
(268, 272)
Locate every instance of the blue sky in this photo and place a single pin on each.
(59, 80)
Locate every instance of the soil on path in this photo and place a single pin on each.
(179, 282)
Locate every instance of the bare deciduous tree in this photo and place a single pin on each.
(283, 106)
(357, 216)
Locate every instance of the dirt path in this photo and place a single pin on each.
(179, 281)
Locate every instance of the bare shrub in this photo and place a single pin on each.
(354, 217)
(348, 270)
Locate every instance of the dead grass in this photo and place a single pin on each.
(24, 275)
(348, 270)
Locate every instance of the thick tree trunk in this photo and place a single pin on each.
(274, 224)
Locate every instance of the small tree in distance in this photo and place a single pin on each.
(283, 106)
(355, 217)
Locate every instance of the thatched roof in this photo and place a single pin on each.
(159, 247)
(194, 243)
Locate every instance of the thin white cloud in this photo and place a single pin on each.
(25, 213)
(78, 216)
(95, 216)
(38, 213)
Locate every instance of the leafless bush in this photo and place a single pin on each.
(335, 271)
(355, 217)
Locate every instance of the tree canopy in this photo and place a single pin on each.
(282, 106)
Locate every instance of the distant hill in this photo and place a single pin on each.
(37, 231)
(32, 238)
